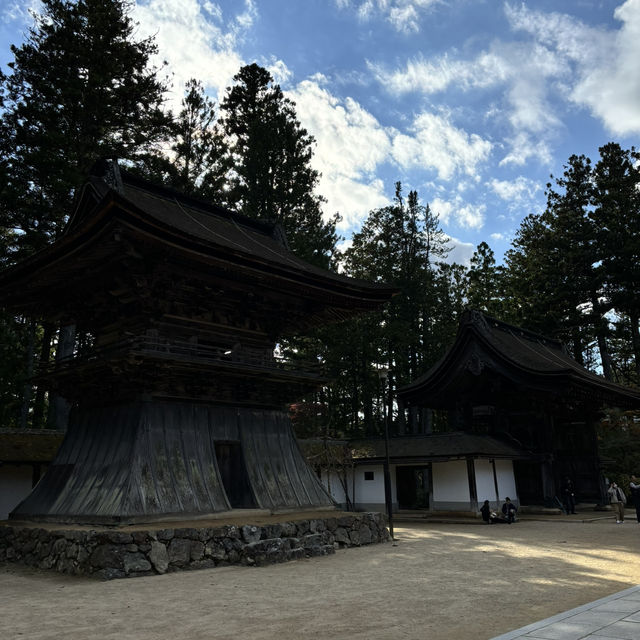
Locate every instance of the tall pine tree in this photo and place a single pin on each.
(198, 161)
(483, 281)
(616, 214)
(399, 244)
(271, 155)
(79, 87)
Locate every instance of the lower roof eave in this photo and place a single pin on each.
(417, 460)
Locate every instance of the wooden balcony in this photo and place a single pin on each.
(185, 353)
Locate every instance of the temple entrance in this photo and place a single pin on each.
(233, 473)
(412, 485)
(528, 477)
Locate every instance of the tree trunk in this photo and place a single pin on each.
(59, 407)
(28, 387)
(601, 330)
(576, 339)
(45, 351)
(635, 340)
(402, 418)
(605, 356)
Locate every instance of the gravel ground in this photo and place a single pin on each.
(439, 581)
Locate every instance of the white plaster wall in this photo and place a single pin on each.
(450, 481)
(506, 480)
(370, 491)
(332, 483)
(484, 482)
(15, 485)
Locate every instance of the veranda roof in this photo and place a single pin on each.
(435, 447)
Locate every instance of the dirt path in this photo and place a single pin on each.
(439, 582)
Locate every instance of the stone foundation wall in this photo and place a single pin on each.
(118, 553)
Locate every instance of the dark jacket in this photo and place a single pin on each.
(509, 507)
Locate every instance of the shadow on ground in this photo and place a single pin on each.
(441, 581)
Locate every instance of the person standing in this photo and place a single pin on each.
(569, 496)
(618, 501)
(634, 487)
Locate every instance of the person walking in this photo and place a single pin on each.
(618, 501)
(634, 487)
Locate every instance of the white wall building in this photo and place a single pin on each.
(24, 457)
(442, 472)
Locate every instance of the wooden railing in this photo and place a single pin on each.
(186, 351)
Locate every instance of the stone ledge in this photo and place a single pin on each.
(118, 553)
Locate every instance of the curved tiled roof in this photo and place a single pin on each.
(485, 342)
(223, 228)
(184, 223)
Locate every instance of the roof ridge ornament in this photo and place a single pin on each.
(109, 171)
(478, 318)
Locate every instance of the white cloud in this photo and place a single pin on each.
(351, 145)
(352, 198)
(280, 72)
(456, 211)
(432, 76)
(20, 11)
(404, 18)
(527, 74)
(605, 75)
(461, 252)
(569, 36)
(443, 209)
(403, 15)
(523, 147)
(244, 21)
(437, 144)
(472, 216)
(518, 193)
(212, 9)
(194, 41)
(524, 74)
(612, 91)
(497, 236)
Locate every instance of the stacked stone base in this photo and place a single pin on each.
(118, 553)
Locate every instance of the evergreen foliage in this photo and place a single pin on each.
(484, 282)
(402, 245)
(198, 161)
(272, 177)
(616, 214)
(79, 88)
(572, 271)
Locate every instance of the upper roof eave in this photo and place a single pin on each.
(562, 371)
(113, 205)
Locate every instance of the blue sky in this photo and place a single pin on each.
(473, 103)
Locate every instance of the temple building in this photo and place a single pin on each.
(520, 389)
(179, 403)
(505, 413)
